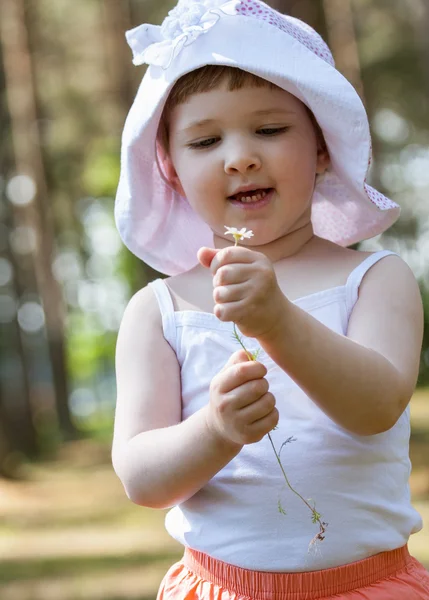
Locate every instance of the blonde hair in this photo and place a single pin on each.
(209, 78)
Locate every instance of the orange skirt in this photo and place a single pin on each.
(393, 575)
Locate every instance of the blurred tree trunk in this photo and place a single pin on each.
(18, 396)
(421, 20)
(306, 10)
(17, 430)
(17, 433)
(283, 6)
(36, 215)
(116, 21)
(342, 40)
(6, 448)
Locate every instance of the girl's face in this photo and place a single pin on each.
(246, 158)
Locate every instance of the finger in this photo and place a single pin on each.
(259, 408)
(232, 254)
(235, 375)
(249, 394)
(206, 255)
(229, 293)
(229, 274)
(229, 311)
(236, 358)
(260, 428)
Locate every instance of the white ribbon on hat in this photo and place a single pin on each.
(159, 45)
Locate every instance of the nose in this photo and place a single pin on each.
(241, 158)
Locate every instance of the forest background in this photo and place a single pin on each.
(66, 84)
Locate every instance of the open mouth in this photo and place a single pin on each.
(251, 196)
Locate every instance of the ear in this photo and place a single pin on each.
(171, 174)
(323, 161)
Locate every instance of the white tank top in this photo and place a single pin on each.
(359, 483)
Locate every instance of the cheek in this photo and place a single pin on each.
(201, 185)
(199, 177)
(296, 163)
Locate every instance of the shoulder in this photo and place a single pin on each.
(387, 270)
(389, 286)
(141, 323)
(142, 305)
(341, 260)
(390, 274)
(388, 317)
(141, 343)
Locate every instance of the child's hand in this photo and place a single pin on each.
(245, 289)
(241, 409)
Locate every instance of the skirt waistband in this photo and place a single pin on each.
(310, 585)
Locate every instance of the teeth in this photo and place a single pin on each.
(254, 198)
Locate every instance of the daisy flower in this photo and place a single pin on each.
(238, 235)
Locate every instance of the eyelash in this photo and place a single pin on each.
(202, 145)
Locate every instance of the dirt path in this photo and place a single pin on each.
(69, 533)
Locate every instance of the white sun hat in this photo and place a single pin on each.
(155, 222)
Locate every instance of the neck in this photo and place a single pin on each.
(281, 248)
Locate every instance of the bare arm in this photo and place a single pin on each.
(160, 460)
(164, 467)
(363, 381)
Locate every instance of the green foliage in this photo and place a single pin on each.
(89, 347)
(101, 173)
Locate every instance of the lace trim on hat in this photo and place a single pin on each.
(302, 32)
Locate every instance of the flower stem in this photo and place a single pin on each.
(316, 517)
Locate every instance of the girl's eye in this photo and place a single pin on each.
(272, 130)
(203, 143)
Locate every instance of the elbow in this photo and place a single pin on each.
(369, 429)
(391, 414)
(133, 491)
(145, 495)
(384, 410)
(388, 423)
(131, 482)
(137, 490)
(137, 496)
(377, 423)
(375, 428)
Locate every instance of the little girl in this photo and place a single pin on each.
(286, 474)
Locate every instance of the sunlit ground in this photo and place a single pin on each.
(69, 533)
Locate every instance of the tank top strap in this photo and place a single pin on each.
(166, 307)
(355, 278)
